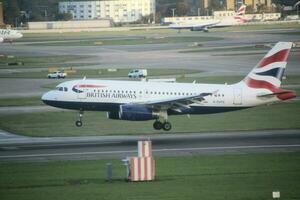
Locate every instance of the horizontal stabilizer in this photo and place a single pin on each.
(283, 95)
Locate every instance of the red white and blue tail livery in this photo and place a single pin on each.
(138, 100)
(268, 73)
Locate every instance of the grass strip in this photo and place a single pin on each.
(38, 61)
(235, 177)
(284, 115)
(100, 73)
(137, 41)
(22, 101)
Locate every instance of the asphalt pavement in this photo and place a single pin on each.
(21, 148)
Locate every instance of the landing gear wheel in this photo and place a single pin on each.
(167, 126)
(78, 123)
(157, 125)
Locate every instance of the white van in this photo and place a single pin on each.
(137, 73)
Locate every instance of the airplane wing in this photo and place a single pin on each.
(177, 104)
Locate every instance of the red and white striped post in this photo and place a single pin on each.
(142, 168)
(145, 148)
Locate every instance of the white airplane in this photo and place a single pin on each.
(138, 101)
(9, 35)
(204, 26)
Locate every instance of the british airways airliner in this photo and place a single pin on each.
(239, 18)
(138, 101)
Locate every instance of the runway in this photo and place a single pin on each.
(16, 148)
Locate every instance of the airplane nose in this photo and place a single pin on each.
(45, 97)
(48, 97)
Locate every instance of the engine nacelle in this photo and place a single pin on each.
(196, 29)
(204, 29)
(113, 115)
(1, 39)
(136, 113)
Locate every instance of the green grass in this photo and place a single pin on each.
(225, 49)
(31, 37)
(128, 41)
(234, 177)
(39, 61)
(211, 79)
(100, 73)
(23, 101)
(288, 80)
(284, 115)
(249, 27)
(289, 33)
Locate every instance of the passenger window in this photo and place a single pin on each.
(66, 89)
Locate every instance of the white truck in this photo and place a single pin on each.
(57, 74)
(138, 73)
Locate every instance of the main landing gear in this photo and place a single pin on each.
(158, 125)
(162, 124)
(78, 123)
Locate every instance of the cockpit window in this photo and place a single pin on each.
(62, 89)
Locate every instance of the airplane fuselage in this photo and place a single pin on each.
(101, 95)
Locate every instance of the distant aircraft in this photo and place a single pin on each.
(204, 26)
(9, 35)
(138, 101)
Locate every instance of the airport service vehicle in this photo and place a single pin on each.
(57, 74)
(138, 73)
(204, 26)
(9, 35)
(138, 100)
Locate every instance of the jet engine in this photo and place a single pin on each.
(136, 113)
(132, 113)
(204, 29)
(113, 115)
(1, 39)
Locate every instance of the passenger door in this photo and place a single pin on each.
(237, 96)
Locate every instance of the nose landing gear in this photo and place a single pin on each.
(78, 123)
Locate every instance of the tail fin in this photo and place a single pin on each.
(267, 74)
(239, 17)
(241, 10)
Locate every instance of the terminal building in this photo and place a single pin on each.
(116, 10)
(230, 6)
(235, 4)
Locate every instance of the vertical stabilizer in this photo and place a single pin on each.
(240, 15)
(268, 73)
(271, 68)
